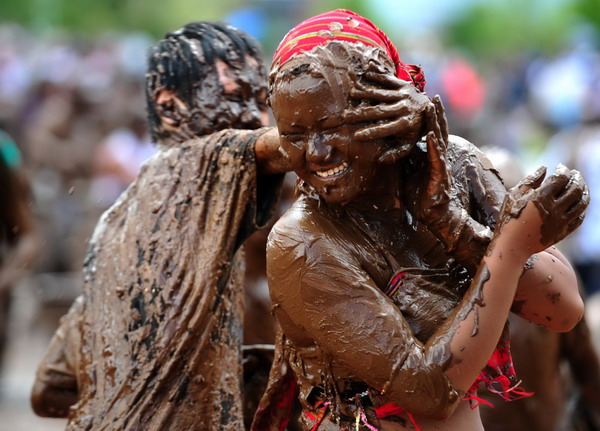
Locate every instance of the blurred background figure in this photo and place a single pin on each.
(521, 76)
(18, 240)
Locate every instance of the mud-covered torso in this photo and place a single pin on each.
(428, 284)
(404, 259)
(345, 247)
(409, 265)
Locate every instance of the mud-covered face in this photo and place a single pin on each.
(231, 98)
(226, 98)
(320, 145)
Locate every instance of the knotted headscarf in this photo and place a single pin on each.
(342, 24)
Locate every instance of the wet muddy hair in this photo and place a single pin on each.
(184, 58)
(344, 57)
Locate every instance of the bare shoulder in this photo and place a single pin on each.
(306, 238)
(298, 228)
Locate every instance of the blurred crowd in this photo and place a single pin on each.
(76, 113)
(74, 117)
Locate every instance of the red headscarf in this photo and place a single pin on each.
(342, 24)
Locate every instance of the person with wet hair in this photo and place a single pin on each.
(154, 341)
(393, 273)
(185, 98)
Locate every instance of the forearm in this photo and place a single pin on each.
(477, 323)
(353, 322)
(52, 401)
(268, 157)
(338, 308)
(376, 345)
(55, 387)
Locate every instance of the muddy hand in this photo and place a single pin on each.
(394, 108)
(562, 200)
(429, 199)
(540, 215)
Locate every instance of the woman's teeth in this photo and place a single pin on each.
(332, 171)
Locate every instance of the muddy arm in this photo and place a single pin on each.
(55, 387)
(321, 295)
(268, 157)
(547, 292)
(327, 299)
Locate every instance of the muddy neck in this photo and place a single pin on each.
(384, 196)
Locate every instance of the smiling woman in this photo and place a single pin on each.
(321, 142)
(319, 145)
(393, 273)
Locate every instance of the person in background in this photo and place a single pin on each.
(161, 304)
(19, 240)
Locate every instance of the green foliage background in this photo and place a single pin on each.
(488, 28)
(93, 17)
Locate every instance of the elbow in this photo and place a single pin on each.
(570, 317)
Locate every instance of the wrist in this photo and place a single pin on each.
(508, 248)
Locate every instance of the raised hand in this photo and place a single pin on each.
(539, 214)
(428, 199)
(394, 107)
(428, 195)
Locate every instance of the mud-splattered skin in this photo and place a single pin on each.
(330, 258)
(341, 258)
(226, 98)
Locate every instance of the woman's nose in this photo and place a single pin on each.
(318, 151)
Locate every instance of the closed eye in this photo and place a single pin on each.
(296, 139)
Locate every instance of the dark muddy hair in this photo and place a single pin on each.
(181, 61)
